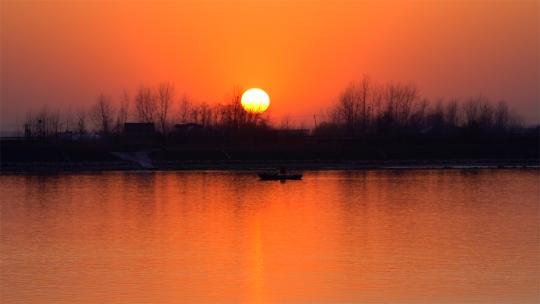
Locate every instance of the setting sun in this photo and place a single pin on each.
(255, 100)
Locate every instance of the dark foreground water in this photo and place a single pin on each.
(224, 237)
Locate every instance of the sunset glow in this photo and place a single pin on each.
(269, 151)
(55, 53)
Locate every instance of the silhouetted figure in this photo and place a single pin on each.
(281, 176)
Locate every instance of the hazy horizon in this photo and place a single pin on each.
(63, 54)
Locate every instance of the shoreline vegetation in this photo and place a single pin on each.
(363, 108)
(370, 126)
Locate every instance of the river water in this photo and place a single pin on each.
(424, 236)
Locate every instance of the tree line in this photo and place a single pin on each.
(159, 105)
(363, 107)
(367, 107)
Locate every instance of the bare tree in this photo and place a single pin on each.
(216, 114)
(102, 114)
(145, 104)
(398, 105)
(44, 124)
(55, 123)
(286, 122)
(165, 95)
(405, 96)
(233, 114)
(237, 112)
(364, 103)
(28, 125)
(418, 118)
(502, 116)
(184, 109)
(436, 116)
(81, 122)
(486, 114)
(194, 114)
(346, 112)
(205, 112)
(364, 92)
(451, 116)
(355, 105)
(123, 112)
(471, 112)
(68, 124)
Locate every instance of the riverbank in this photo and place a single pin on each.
(43, 167)
(254, 153)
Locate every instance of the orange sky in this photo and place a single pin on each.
(64, 53)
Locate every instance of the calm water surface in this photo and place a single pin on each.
(204, 237)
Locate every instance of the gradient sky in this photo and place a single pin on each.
(64, 53)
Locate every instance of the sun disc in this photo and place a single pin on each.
(255, 100)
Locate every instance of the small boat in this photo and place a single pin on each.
(279, 176)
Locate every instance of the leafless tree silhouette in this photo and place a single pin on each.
(102, 114)
(123, 112)
(365, 106)
(184, 109)
(165, 96)
(146, 104)
(81, 122)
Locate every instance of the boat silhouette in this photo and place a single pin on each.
(278, 176)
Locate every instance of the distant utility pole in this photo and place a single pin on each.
(315, 119)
